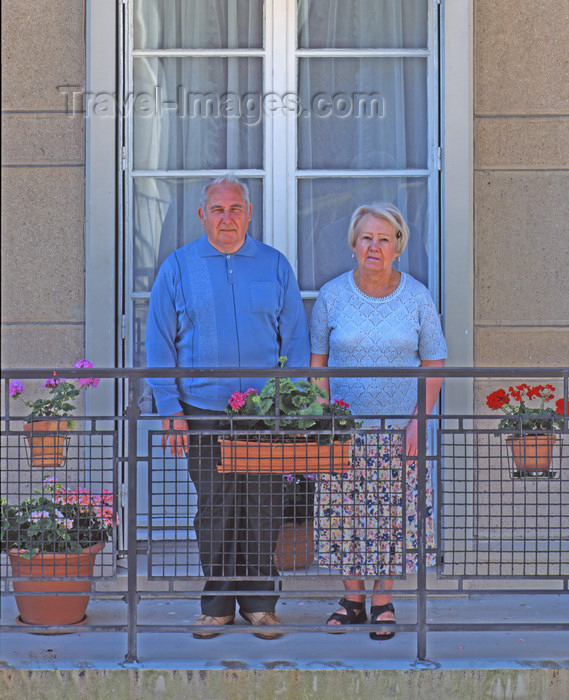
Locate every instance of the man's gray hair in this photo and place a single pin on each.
(228, 179)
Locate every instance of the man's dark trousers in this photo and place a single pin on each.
(237, 523)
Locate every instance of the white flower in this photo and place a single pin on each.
(38, 514)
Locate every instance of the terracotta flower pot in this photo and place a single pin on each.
(53, 609)
(295, 546)
(532, 453)
(48, 442)
(279, 457)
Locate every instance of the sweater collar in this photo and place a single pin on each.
(206, 249)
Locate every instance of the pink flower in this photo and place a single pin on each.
(86, 381)
(105, 514)
(237, 400)
(16, 388)
(52, 382)
(83, 364)
(79, 496)
(70, 498)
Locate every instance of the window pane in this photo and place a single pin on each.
(362, 24)
(325, 207)
(165, 217)
(363, 113)
(198, 24)
(140, 314)
(194, 113)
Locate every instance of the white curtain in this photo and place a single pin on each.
(184, 117)
(391, 135)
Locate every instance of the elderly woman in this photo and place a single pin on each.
(375, 316)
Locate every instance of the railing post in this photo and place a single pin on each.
(422, 519)
(132, 412)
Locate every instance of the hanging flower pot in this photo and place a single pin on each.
(532, 453)
(42, 568)
(49, 417)
(48, 442)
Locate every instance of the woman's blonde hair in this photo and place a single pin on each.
(383, 210)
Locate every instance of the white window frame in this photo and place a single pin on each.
(102, 325)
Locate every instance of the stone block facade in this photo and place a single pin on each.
(521, 183)
(43, 184)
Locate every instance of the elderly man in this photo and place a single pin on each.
(225, 300)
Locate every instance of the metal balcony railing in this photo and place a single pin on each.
(475, 521)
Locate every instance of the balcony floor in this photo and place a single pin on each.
(302, 650)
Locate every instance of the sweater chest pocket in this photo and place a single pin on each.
(264, 297)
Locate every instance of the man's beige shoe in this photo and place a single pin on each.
(263, 619)
(210, 620)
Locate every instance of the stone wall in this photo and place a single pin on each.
(43, 184)
(521, 183)
(521, 258)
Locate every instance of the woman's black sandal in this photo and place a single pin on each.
(355, 615)
(378, 611)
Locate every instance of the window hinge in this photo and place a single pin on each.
(123, 327)
(123, 495)
(439, 158)
(123, 158)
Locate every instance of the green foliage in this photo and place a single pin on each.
(301, 406)
(58, 404)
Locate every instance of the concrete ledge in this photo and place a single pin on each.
(136, 684)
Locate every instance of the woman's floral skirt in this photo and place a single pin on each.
(363, 525)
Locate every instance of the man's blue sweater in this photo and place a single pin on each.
(209, 309)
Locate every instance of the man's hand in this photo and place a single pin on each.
(178, 443)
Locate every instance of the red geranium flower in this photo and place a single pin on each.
(535, 391)
(497, 399)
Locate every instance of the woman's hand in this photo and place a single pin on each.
(411, 439)
(178, 443)
(433, 390)
(317, 360)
